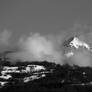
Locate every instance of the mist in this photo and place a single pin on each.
(40, 47)
(37, 47)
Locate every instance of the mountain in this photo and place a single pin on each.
(23, 73)
(45, 76)
(75, 43)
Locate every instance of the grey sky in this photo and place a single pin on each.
(44, 16)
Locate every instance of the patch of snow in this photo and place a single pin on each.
(7, 69)
(6, 76)
(33, 77)
(35, 67)
(10, 68)
(3, 83)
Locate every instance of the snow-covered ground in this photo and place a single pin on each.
(34, 71)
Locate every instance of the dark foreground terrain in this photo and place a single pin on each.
(44, 77)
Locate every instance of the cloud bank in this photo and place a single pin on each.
(37, 47)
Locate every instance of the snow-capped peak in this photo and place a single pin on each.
(78, 43)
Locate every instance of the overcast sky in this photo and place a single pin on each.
(44, 16)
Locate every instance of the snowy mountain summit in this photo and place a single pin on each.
(76, 43)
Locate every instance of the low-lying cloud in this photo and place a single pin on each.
(37, 47)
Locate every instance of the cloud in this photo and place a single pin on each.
(39, 48)
(82, 56)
